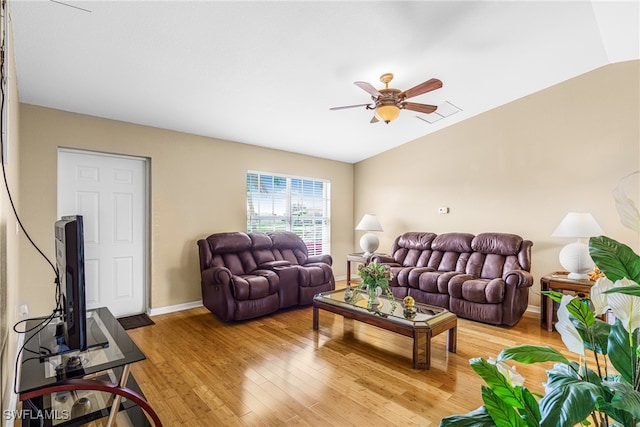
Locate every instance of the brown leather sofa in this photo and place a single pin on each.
(246, 275)
(485, 277)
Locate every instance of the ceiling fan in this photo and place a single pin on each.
(388, 102)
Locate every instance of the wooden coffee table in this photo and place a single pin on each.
(428, 322)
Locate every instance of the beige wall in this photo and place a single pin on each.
(518, 168)
(197, 188)
(9, 275)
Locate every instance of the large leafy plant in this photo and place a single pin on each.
(586, 391)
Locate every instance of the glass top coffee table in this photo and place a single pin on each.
(428, 322)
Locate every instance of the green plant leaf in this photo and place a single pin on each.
(554, 295)
(599, 331)
(502, 413)
(562, 374)
(497, 382)
(569, 404)
(625, 403)
(478, 418)
(622, 352)
(581, 311)
(531, 414)
(616, 260)
(532, 354)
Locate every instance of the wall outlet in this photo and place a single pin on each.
(23, 310)
(444, 210)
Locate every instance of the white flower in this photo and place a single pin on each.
(568, 332)
(625, 205)
(598, 298)
(509, 372)
(625, 307)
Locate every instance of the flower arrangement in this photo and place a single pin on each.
(375, 281)
(575, 392)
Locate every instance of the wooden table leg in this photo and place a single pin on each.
(315, 318)
(549, 309)
(422, 349)
(452, 339)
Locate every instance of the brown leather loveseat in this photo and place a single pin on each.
(485, 277)
(246, 275)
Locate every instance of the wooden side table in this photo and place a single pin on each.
(355, 257)
(559, 281)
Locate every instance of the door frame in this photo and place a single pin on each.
(146, 229)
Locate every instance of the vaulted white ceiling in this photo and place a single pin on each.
(267, 72)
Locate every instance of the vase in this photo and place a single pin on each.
(374, 293)
(348, 293)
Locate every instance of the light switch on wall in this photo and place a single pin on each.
(444, 210)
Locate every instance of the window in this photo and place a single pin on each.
(285, 203)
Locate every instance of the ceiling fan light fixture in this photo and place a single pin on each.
(388, 112)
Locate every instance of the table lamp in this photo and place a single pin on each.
(575, 257)
(369, 242)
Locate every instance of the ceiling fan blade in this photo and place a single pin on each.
(367, 87)
(424, 87)
(348, 106)
(420, 108)
(374, 120)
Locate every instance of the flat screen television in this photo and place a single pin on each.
(69, 233)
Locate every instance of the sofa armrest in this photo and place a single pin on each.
(518, 278)
(326, 258)
(383, 259)
(216, 276)
(217, 292)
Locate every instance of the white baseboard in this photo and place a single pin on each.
(533, 309)
(174, 308)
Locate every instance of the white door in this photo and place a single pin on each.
(110, 192)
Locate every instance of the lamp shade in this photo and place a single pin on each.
(575, 257)
(578, 224)
(387, 113)
(369, 222)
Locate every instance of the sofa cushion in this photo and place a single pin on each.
(436, 282)
(453, 242)
(229, 242)
(259, 284)
(497, 243)
(413, 249)
(484, 291)
(486, 266)
(261, 248)
(260, 240)
(288, 246)
(314, 274)
(238, 263)
(415, 240)
(450, 252)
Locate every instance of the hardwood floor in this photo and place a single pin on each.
(277, 371)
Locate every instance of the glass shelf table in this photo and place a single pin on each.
(60, 388)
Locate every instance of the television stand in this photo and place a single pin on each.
(50, 337)
(71, 388)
